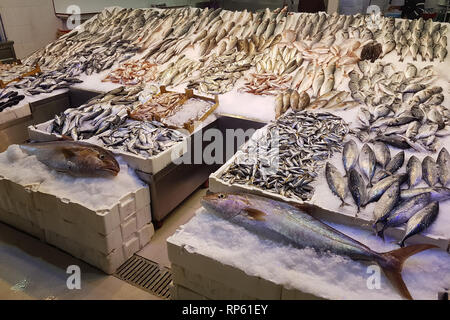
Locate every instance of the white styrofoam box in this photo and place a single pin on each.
(145, 234)
(14, 113)
(215, 271)
(178, 292)
(150, 165)
(130, 247)
(129, 228)
(143, 216)
(290, 294)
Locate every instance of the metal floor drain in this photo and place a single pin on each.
(146, 275)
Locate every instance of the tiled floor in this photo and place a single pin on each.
(31, 269)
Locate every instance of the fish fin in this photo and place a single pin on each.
(255, 214)
(392, 264)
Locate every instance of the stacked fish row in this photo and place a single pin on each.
(419, 38)
(146, 139)
(9, 99)
(416, 206)
(9, 72)
(286, 158)
(402, 108)
(98, 115)
(48, 81)
(104, 40)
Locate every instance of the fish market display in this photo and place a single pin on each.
(290, 99)
(286, 158)
(403, 109)
(9, 99)
(75, 158)
(133, 73)
(146, 139)
(419, 38)
(48, 81)
(394, 206)
(101, 113)
(281, 221)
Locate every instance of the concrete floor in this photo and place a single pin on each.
(32, 269)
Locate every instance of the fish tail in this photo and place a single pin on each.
(392, 264)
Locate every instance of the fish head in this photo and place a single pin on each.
(92, 161)
(225, 205)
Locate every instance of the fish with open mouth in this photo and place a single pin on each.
(282, 221)
(75, 158)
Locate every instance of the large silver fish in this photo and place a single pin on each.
(282, 221)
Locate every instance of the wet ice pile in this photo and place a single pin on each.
(94, 193)
(329, 276)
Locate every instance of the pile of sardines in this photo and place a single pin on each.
(372, 175)
(286, 158)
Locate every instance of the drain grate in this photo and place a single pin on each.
(146, 275)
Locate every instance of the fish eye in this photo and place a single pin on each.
(221, 196)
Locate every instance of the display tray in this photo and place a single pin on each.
(325, 205)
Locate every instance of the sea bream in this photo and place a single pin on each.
(74, 158)
(282, 221)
